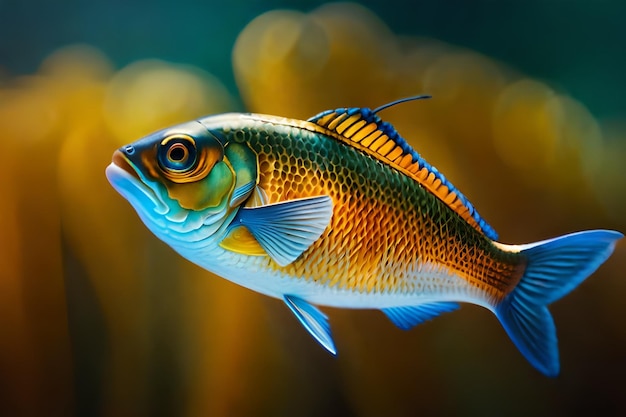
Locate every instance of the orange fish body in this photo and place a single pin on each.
(379, 238)
(340, 211)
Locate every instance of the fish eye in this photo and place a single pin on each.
(177, 154)
(182, 158)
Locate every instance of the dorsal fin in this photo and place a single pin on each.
(363, 129)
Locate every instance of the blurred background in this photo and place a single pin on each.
(99, 318)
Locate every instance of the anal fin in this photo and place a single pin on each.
(408, 317)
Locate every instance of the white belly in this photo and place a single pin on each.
(430, 284)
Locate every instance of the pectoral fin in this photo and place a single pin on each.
(313, 320)
(409, 317)
(284, 230)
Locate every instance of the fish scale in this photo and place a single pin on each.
(340, 211)
(388, 208)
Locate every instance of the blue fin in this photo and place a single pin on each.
(554, 268)
(286, 229)
(409, 317)
(313, 320)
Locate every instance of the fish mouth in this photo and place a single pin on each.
(132, 186)
(121, 162)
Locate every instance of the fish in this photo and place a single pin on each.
(340, 211)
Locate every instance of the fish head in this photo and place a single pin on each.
(178, 181)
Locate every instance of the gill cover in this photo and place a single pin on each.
(244, 163)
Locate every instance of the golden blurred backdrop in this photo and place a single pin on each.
(101, 318)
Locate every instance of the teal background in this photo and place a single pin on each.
(577, 46)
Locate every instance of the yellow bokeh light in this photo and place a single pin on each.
(149, 95)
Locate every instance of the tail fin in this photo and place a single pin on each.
(555, 267)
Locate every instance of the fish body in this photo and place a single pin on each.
(340, 211)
